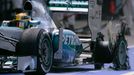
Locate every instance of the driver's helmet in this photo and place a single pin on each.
(21, 20)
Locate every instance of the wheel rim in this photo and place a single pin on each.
(122, 53)
(45, 55)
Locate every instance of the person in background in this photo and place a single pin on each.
(65, 20)
(128, 11)
(69, 20)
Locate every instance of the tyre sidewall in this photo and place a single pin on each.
(44, 36)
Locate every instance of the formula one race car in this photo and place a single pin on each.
(35, 41)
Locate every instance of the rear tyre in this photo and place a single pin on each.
(36, 42)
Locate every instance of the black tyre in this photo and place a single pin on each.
(97, 64)
(121, 59)
(37, 42)
(97, 51)
(45, 55)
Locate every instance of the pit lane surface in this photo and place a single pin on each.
(89, 69)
